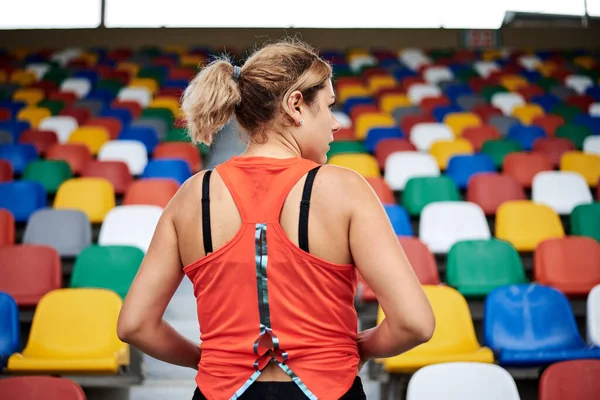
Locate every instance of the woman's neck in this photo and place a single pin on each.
(275, 147)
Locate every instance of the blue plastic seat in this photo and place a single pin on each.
(374, 135)
(399, 219)
(22, 198)
(593, 91)
(176, 169)
(531, 76)
(591, 122)
(403, 72)
(10, 334)
(356, 101)
(90, 74)
(462, 167)
(175, 84)
(455, 90)
(16, 128)
(13, 106)
(440, 112)
(144, 134)
(525, 135)
(532, 325)
(547, 102)
(18, 155)
(122, 114)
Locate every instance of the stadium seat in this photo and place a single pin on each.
(80, 86)
(179, 150)
(28, 96)
(345, 147)
(74, 331)
(140, 95)
(591, 145)
(49, 173)
(107, 267)
(579, 83)
(453, 339)
(446, 222)
(478, 135)
(475, 267)
(388, 146)
(7, 228)
(586, 165)
(562, 191)
(33, 115)
(41, 140)
(19, 155)
(402, 166)
(526, 136)
(364, 164)
(10, 331)
(499, 149)
(549, 123)
(131, 152)
(532, 325)
(161, 114)
(375, 135)
(419, 91)
(553, 148)
(151, 191)
(513, 82)
(444, 150)
(76, 155)
(421, 260)
(367, 121)
(525, 224)
(437, 74)
(6, 171)
(570, 264)
(111, 124)
(94, 196)
(91, 136)
(144, 134)
(594, 109)
(116, 172)
(507, 101)
(381, 189)
(66, 231)
(28, 272)
(63, 126)
(22, 198)
(170, 103)
(574, 379)
(459, 121)
(147, 83)
(585, 220)
(525, 166)
(462, 381)
(32, 387)
(502, 123)
(527, 113)
(131, 225)
(81, 115)
(593, 316)
(389, 102)
(424, 134)
(399, 219)
(462, 168)
(420, 191)
(575, 133)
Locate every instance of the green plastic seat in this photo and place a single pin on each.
(155, 73)
(151, 51)
(56, 75)
(464, 75)
(55, 106)
(567, 111)
(107, 267)
(421, 191)
(475, 267)
(113, 86)
(50, 173)
(585, 220)
(344, 147)
(489, 91)
(546, 83)
(498, 149)
(161, 113)
(181, 135)
(575, 133)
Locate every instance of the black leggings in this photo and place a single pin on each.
(288, 391)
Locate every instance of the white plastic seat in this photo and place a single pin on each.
(343, 119)
(80, 86)
(529, 61)
(358, 63)
(62, 125)
(414, 58)
(593, 316)
(594, 110)
(131, 152)
(579, 83)
(485, 68)
(419, 91)
(424, 134)
(444, 223)
(130, 226)
(39, 69)
(506, 102)
(560, 190)
(437, 74)
(64, 56)
(403, 165)
(591, 144)
(140, 95)
(462, 381)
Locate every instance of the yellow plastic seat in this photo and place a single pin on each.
(513, 82)
(191, 60)
(453, 340)
(94, 196)
(458, 121)
(526, 113)
(90, 58)
(93, 137)
(491, 55)
(353, 54)
(347, 91)
(167, 102)
(443, 150)
(128, 66)
(586, 62)
(525, 224)
(23, 78)
(175, 48)
(587, 165)
(379, 82)
(390, 101)
(546, 68)
(147, 83)
(29, 96)
(369, 120)
(74, 331)
(33, 115)
(364, 164)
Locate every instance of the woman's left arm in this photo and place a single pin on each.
(141, 321)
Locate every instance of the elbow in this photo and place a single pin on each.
(127, 329)
(416, 331)
(423, 332)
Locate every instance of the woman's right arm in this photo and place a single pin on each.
(380, 259)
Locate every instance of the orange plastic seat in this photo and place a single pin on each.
(382, 190)
(7, 228)
(153, 191)
(524, 166)
(574, 379)
(490, 190)
(36, 387)
(41, 139)
(179, 150)
(385, 147)
(478, 135)
(553, 148)
(111, 124)
(76, 155)
(549, 123)
(116, 172)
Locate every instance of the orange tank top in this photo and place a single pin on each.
(261, 299)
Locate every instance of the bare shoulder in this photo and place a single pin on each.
(344, 183)
(189, 194)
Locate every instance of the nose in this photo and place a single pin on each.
(336, 126)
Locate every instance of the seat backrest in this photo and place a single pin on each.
(591, 145)
(67, 231)
(575, 133)
(93, 137)
(30, 388)
(399, 219)
(424, 134)
(94, 196)
(370, 120)
(462, 381)
(144, 134)
(549, 123)
(419, 91)
(10, 328)
(76, 155)
(444, 223)
(151, 191)
(6, 171)
(18, 154)
(529, 317)
(130, 226)
(570, 264)
(131, 152)
(525, 135)
(524, 166)
(444, 150)
(382, 190)
(421, 260)
(375, 135)
(22, 198)
(573, 379)
(50, 173)
(421, 191)
(585, 220)
(140, 95)
(29, 272)
(553, 148)
(179, 150)
(587, 165)
(507, 101)
(7, 228)
(478, 135)
(593, 316)
(364, 164)
(503, 123)
(562, 191)
(116, 172)
(459, 121)
(489, 190)
(462, 168)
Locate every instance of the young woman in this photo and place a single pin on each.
(272, 241)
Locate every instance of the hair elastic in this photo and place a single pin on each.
(236, 72)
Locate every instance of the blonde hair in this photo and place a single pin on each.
(259, 95)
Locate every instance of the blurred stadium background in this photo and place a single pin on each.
(477, 123)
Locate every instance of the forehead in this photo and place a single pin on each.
(328, 89)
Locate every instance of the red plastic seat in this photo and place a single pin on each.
(553, 148)
(76, 155)
(575, 379)
(344, 134)
(116, 172)
(478, 135)
(6, 171)
(112, 125)
(29, 272)
(7, 228)
(486, 111)
(153, 191)
(581, 101)
(5, 115)
(42, 140)
(549, 123)
(489, 190)
(530, 91)
(181, 150)
(429, 103)
(176, 93)
(66, 97)
(182, 73)
(47, 86)
(382, 190)
(40, 387)
(570, 264)
(80, 114)
(409, 81)
(386, 147)
(524, 166)
(133, 107)
(410, 121)
(360, 109)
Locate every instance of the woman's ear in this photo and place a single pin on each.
(294, 105)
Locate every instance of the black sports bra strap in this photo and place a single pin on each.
(206, 233)
(304, 206)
